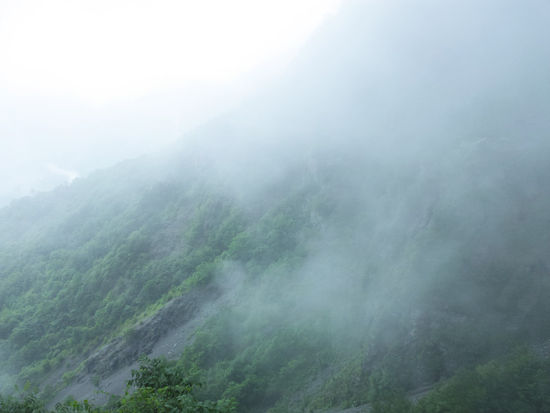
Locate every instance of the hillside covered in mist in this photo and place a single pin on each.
(372, 230)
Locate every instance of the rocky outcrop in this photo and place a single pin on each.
(141, 339)
(107, 370)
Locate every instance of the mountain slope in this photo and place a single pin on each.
(375, 222)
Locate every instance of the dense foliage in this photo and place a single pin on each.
(314, 321)
(156, 387)
(517, 383)
(63, 301)
(369, 227)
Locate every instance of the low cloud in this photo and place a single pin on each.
(68, 174)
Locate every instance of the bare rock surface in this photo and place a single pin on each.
(166, 333)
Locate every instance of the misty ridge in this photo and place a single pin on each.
(369, 232)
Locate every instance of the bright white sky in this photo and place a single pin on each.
(85, 83)
(99, 50)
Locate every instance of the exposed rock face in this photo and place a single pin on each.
(107, 370)
(141, 340)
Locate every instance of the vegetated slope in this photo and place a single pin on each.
(384, 217)
(394, 272)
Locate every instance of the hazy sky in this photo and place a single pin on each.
(84, 84)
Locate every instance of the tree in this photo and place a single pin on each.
(161, 386)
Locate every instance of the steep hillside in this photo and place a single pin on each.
(375, 224)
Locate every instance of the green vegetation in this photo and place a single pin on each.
(313, 296)
(375, 224)
(66, 301)
(63, 301)
(156, 387)
(517, 383)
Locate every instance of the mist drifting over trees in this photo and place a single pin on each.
(368, 231)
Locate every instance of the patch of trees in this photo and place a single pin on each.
(158, 386)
